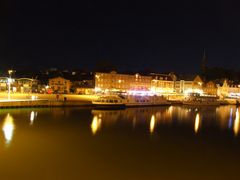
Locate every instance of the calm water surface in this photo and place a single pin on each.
(173, 142)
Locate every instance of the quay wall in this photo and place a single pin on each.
(44, 100)
(42, 103)
(25, 96)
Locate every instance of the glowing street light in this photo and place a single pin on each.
(10, 80)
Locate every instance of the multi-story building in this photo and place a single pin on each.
(182, 86)
(163, 83)
(121, 82)
(59, 85)
(187, 85)
(210, 88)
(197, 84)
(82, 83)
(26, 85)
(3, 83)
(229, 90)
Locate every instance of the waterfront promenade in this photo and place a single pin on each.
(44, 100)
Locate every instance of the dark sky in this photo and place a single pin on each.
(163, 36)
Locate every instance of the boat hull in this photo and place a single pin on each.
(147, 104)
(201, 103)
(109, 106)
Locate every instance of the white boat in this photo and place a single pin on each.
(146, 101)
(109, 101)
(114, 101)
(195, 99)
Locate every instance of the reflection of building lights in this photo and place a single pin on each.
(170, 109)
(8, 128)
(134, 121)
(152, 124)
(230, 119)
(236, 123)
(96, 124)
(197, 122)
(32, 115)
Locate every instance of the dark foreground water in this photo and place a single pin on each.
(139, 143)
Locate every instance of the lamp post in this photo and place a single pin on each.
(9, 82)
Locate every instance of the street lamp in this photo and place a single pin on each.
(9, 82)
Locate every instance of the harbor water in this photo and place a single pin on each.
(170, 142)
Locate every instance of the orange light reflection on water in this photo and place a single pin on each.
(8, 128)
(196, 124)
(152, 124)
(96, 124)
(236, 123)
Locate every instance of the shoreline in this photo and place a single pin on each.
(57, 103)
(65, 100)
(43, 103)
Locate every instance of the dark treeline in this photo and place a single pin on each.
(217, 73)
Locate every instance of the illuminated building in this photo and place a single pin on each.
(3, 83)
(26, 85)
(60, 85)
(121, 82)
(163, 83)
(197, 83)
(210, 88)
(223, 90)
(187, 85)
(22, 85)
(82, 82)
(182, 86)
(229, 90)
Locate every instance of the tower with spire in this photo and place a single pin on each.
(204, 63)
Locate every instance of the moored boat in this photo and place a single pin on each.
(114, 101)
(110, 101)
(198, 100)
(133, 101)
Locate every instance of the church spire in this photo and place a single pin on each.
(204, 62)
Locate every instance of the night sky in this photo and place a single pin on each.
(133, 35)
